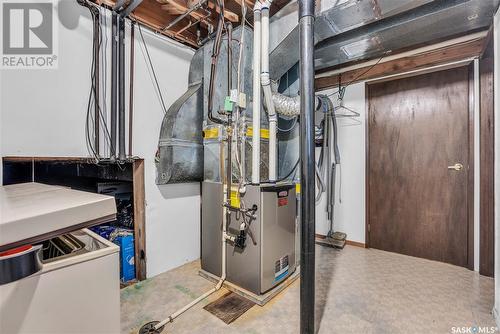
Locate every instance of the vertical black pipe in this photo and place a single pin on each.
(307, 195)
(131, 88)
(114, 81)
(97, 48)
(121, 88)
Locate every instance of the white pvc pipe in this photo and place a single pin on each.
(273, 145)
(209, 292)
(266, 87)
(256, 94)
(224, 238)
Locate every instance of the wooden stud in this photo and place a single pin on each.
(139, 219)
(229, 15)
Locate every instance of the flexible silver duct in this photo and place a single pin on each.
(289, 106)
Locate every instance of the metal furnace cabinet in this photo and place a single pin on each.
(269, 255)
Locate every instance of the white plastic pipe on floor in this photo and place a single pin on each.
(217, 287)
(224, 237)
(256, 94)
(266, 87)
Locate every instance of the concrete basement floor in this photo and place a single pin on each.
(358, 291)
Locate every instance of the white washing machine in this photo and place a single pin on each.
(55, 276)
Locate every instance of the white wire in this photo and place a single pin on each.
(238, 89)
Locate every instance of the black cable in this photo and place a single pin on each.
(102, 118)
(368, 70)
(213, 66)
(90, 146)
(96, 43)
(153, 70)
(357, 77)
(295, 121)
(291, 171)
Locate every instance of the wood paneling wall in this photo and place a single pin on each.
(487, 159)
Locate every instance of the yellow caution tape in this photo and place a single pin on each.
(235, 198)
(264, 133)
(211, 133)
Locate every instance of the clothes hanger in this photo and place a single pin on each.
(341, 111)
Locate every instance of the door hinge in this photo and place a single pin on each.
(369, 228)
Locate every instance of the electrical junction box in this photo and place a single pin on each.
(268, 257)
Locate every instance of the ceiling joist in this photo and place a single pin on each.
(159, 15)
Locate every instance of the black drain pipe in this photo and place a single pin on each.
(307, 161)
(114, 81)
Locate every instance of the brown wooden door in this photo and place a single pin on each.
(417, 127)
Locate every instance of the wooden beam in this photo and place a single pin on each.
(55, 159)
(158, 27)
(139, 219)
(227, 13)
(248, 3)
(178, 7)
(109, 3)
(151, 14)
(422, 60)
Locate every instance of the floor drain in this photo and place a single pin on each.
(149, 328)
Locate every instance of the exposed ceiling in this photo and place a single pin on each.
(427, 23)
(349, 31)
(161, 16)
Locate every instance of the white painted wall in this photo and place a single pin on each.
(43, 114)
(349, 215)
(172, 211)
(496, 80)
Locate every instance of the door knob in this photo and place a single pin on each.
(457, 167)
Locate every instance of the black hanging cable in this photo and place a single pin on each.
(341, 90)
(294, 168)
(213, 66)
(153, 70)
(96, 47)
(103, 113)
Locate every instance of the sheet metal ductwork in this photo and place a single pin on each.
(351, 31)
(181, 156)
(363, 29)
(435, 21)
(180, 148)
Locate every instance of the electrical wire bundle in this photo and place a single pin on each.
(93, 103)
(213, 66)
